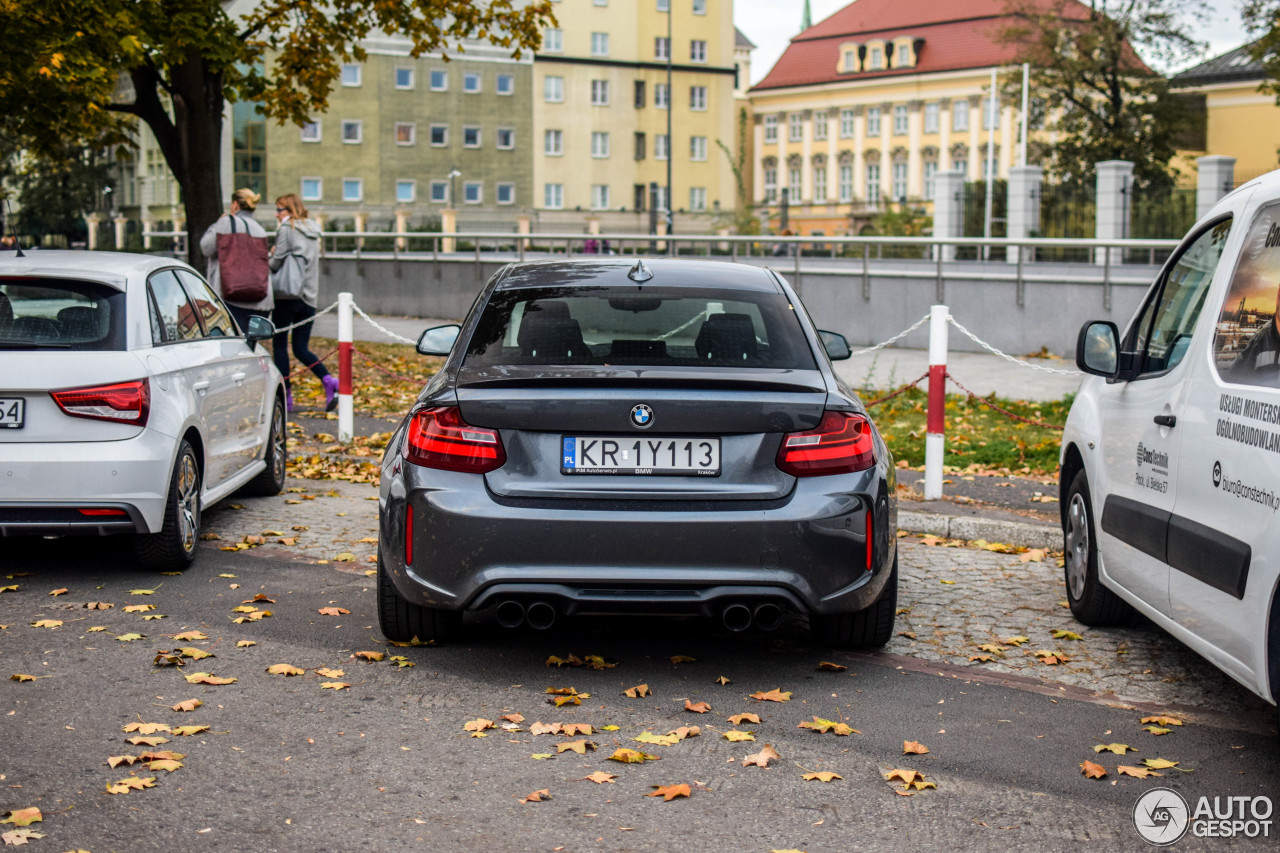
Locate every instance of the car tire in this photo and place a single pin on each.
(270, 481)
(401, 621)
(1091, 603)
(173, 548)
(869, 628)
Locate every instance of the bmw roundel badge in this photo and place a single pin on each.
(641, 416)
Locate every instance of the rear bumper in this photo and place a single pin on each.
(805, 552)
(43, 485)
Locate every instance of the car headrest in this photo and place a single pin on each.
(547, 337)
(557, 308)
(727, 337)
(83, 322)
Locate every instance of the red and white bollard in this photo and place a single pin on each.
(346, 412)
(936, 419)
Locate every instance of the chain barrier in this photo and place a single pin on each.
(904, 389)
(307, 367)
(989, 348)
(379, 326)
(993, 407)
(397, 376)
(306, 321)
(894, 339)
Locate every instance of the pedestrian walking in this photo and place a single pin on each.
(295, 281)
(236, 246)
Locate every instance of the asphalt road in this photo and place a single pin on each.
(387, 765)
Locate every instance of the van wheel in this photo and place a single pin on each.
(174, 547)
(869, 628)
(270, 481)
(402, 621)
(1091, 603)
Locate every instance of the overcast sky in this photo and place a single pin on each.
(772, 23)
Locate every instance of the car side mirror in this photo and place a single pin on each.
(1098, 349)
(836, 346)
(260, 329)
(438, 340)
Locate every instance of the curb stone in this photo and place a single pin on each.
(1020, 533)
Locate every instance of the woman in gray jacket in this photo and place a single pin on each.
(295, 275)
(243, 202)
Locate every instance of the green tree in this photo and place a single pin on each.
(1262, 19)
(743, 221)
(80, 71)
(1101, 98)
(56, 192)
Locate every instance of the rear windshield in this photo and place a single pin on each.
(60, 314)
(641, 325)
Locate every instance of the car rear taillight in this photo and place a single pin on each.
(126, 402)
(440, 438)
(841, 443)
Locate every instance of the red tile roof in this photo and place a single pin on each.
(957, 34)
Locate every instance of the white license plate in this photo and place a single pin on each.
(11, 412)
(651, 455)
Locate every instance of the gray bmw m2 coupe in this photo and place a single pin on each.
(655, 436)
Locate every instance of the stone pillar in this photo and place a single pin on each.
(362, 224)
(148, 226)
(524, 225)
(724, 246)
(93, 220)
(593, 224)
(948, 208)
(402, 227)
(120, 222)
(1115, 189)
(1023, 205)
(662, 229)
(449, 225)
(1217, 178)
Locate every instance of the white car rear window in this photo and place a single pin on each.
(43, 313)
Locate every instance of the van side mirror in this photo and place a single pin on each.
(1098, 349)
(260, 329)
(438, 340)
(836, 346)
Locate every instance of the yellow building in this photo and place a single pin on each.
(600, 105)
(1240, 121)
(867, 106)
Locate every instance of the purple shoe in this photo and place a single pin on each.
(288, 400)
(330, 392)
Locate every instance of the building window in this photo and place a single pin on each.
(986, 168)
(795, 127)
(439, 135)
(990, 114)
(600, 144)
(311, 131)
(661, 96)
(602, 2)
(553, 143)
(697, 50)
(312, 189)
(471, 81)
(660, 200)
(697, 198)
(439, 192)
(931, 113)
(873, 121)
(699, 7)
(850, 60)
(439, 80)
(899, 181)
(406, 192)
(353, 189)
(404, 78)
(846, 124)
(770, 128)
(930, 172)
(661, 47)
(506, 193)
(961, 166)
(819, 183)
(820, 125)
(960, 115)
(552, 40)
(506, 138)
(406, 131)
(506, 84)
(697, 97)
(639, 93)
(553, 196)
(352, 131)
(350, 74)
(900, 120)
(664, 5)
(470, 136)
(873, 183)
(553, 90)
(473, 192)
(698, 148)
(795, 184)
(599, 44)
(639, 145)
(600, 93)
(599, 196)
(904, 56)
(846, 183)
(875, 59)
(660, 146)
(770, 186)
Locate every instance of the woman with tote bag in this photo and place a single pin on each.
(236, 246)
(295, 280)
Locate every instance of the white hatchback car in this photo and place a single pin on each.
(129, 401)
(1170, 478)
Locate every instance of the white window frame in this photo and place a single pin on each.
(904, 56)
(443, 187)
(770, 128)
(553, 40)
(990, 117)
(875, 59)
(497, 139)
(961, 165)
(661, 146)
(697, 50)
(413, 191)
(319, 131)
(661, 96)
(413, 133)
(599, 93)
(302, 188)
(932, 117)
(770, 186)
(795, 127)
(359, 75)
(599, 44)
(431, 80)
(699, 7)
(599, 196)
(467, 186)
(553, 196)
(873, 183)
(819, 183)
(478, 77)
(698, 98)
(431, 134)
(930, 171)
(698, 149)
(795, 184)
(898, 182)
(960, 115)
(846, 124)
(874, 119)
(553, 142)
(900, 120)
(661, 47)
(497, 197)
(820, 119)
(359, 182)
(358, 124)
(664, 5)
(402, 70)
(479, 131)
(600, 144)
(553, 89)
(846, 183)
(511, 84)
(697, 198)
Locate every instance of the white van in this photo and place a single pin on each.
(1170, 478)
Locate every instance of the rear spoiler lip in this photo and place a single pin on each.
(779, 380)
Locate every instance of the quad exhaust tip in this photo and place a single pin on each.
(767, 616)
(540, 615)
(510, 614)
(736, 617)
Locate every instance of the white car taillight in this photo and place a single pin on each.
(124, 402)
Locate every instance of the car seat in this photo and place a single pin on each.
(726, 337)
(549, 338)
(83, 323)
